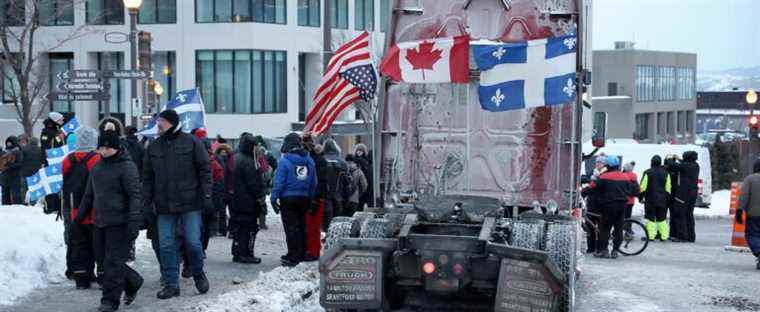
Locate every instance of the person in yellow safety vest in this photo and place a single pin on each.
(655, 189)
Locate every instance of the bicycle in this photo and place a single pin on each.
(634, 234)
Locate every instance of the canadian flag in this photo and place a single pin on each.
(429, 61)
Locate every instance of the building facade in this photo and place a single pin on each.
(256, 62)
(723, 110)
(645, 95)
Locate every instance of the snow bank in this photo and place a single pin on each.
(282, 289)
(721, 202)
(32, 251)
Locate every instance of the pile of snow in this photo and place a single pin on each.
(282, 289)
(32, 251)
(719, 207)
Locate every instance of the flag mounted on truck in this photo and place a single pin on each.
(440, 60)
(527, 74)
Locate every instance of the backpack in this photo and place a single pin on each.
(346, 185)
(75, 180)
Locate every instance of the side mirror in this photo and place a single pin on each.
(600, 128)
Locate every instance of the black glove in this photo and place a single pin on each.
(208, 205)
(134, 230)
(314, 207)
(739, 214)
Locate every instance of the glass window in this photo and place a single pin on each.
(13, 12)
(9, 86)
(111, 61)
(308, 13)
(56, 13)
(660, 123)
(158, 12)
(204, 71)
(685, 83)
(59, 62)
(666, 83)
(243, 81)
(204, 11)
(105, 12)
(689, 121)
(642, 127)
(364, 15)
(224, 11)
(681, 121)
(165, 73)
(671, 123)
(600, 123)
(339, 14)
(645, 83)
(385, 10)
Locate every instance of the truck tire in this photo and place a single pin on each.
(396, 220)
(560, 244)
(361, 217)
(376, 228)
(528, 234)
(340, 227)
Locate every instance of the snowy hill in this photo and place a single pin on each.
(725, 80)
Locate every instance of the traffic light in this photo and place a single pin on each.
(754, 122)
(144, 50)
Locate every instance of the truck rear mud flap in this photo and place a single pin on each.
(351, 273)
(528, 280)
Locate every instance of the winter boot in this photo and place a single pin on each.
(186, 271)
(247, 260)
(168, 292)
(614, 254)
(602, 254)
(287, 262)
(131, 294)
(83, 280)
(107, 307)
(201, 283)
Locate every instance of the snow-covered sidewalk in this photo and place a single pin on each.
(32, 251)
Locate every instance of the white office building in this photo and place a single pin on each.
(256, 62)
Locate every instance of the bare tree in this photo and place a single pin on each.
(21, 21)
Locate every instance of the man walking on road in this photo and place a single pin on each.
(113, 191)
(177, 181)
(749, 204)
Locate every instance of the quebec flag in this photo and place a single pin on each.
(48, 180)
(56, 155)
(71, 126)
(527, 74)
(189, 106)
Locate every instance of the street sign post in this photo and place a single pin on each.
(127, 74)
(104, 74)
(98, 96)
(79, 74)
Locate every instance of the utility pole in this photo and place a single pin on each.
(133, 6)
(326, 35)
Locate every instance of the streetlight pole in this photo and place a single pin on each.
(134, 7)
(751, 99)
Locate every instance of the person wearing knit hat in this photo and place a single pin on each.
(57, 117)
(177, 184)
(628, 171)
(76, 170)
(117, 205)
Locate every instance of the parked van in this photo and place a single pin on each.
(642, 154)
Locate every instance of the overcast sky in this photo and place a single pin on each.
(724, 33)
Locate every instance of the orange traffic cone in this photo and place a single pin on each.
(738, 241)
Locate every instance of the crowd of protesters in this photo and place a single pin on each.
(669, 187)
(183, 188)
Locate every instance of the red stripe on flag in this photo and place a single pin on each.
(320, 108)
(335, 110)
(339, 94)
(390, 64)
(459, 60)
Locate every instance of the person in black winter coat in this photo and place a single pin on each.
(336, 167)
(177, 188)
(52, 137)
(655, 190)
(30, 146)
(685, 197)
(248, 201)
(364, 160)
(113, 190)
(11, 176)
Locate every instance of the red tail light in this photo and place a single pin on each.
(458, 269)
(428, 268)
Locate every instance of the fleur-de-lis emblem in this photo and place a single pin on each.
(569, 88)
(181, 97)
(570, 42)
(499, 53)
(187, 120)
(498, 97)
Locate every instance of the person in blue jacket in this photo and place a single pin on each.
(295, 184)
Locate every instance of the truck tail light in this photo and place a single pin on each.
(428, 267)
(458, 269)
(699, 186)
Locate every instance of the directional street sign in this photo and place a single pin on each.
(99, 96)
(79, 74)
(83, 86)
(84, 80)
(127, 74)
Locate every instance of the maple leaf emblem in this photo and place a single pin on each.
(423, 57)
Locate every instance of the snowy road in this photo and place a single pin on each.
(270, 244)
(667, 277)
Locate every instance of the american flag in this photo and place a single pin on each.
(350, 76)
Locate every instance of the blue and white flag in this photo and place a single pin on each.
(46, 181)
(56, 155)
(528, 74)
(71, 126)
(189, 106)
